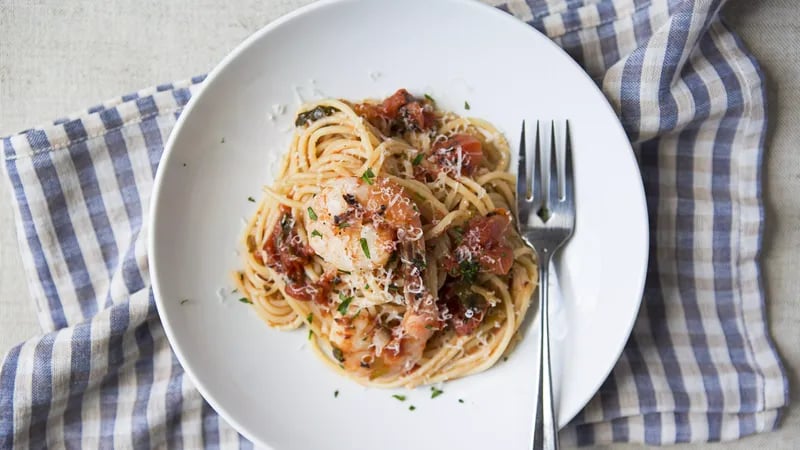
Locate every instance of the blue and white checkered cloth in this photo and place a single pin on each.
(699, 366)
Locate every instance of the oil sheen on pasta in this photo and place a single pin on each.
(388, 233)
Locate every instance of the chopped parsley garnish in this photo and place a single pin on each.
(429, 327)
(461, 400)
(234, 290)
(310, 333)
(337, 353)
(468, 270)
(368, 176)
(312, 214)
(393, 288)
(344, 272)
(505, 358)
(412, 407)
(245, 300)
(335, 393)
(435, 392)
(466, 104)
(459, 232)
(429, 98)
(345, 303)
(357, 313)
(310, 317)
(186, 300)
(343, 225)
(366, 286)
(365, 247)
(316, 233)
(417, 159)
(222, 141)
(317, 113)
(251, 199)
(402, 398)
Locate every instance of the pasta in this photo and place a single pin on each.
(388, 233)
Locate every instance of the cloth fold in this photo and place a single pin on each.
(699, 366)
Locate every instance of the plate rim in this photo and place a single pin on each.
(155, 198)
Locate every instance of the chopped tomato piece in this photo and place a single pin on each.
(467, 308)
(287, 254)
(318, 291)
(399, 112)
(462, 152)
(415, 116)
(484, 242)
(392, 104)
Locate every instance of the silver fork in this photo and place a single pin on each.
(546, 219)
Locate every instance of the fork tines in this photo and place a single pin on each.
(551, 192)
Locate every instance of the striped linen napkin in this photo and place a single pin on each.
(699, 366)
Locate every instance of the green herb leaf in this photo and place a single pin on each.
(459, 232)
(335, 393)
(412, 407)
(186, 300)
(310, 317)
(245, 300)
(429, 98)
(417, 159)
(435, 392)
(345, 303)
(222, 141)
(365, 247)
(468, 270)
(344, 272)
(461, 400)
(344, 225)
(337, 353)
(316, 233)
(310, 333)
(366, 286)
(312, 214)
(368, 175)
(357, 313)
(402, 398)
(466, 105)
(317, 113)
(251, 199)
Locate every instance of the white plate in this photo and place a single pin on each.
(267, 383)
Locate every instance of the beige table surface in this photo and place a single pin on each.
(57, 57)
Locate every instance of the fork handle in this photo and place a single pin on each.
(545, 430)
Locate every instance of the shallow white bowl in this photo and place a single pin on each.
(225, 147)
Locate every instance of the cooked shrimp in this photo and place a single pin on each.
(358, 226)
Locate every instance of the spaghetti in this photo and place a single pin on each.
(387, 232)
